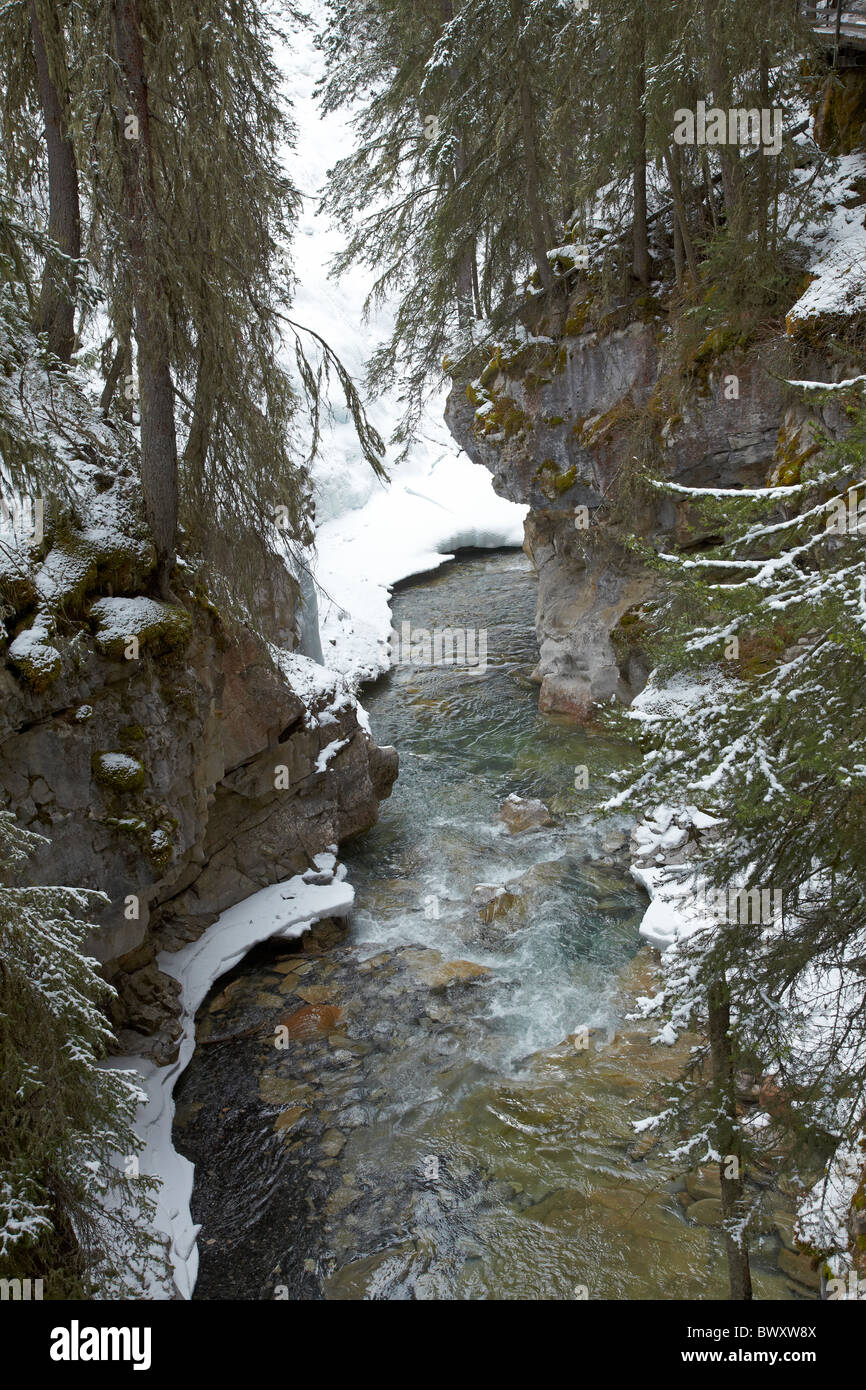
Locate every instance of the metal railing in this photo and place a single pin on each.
(842, 22)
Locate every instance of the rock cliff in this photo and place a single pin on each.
(172, 759)
(563, 422)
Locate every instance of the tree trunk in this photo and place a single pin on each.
(640, 258)
(56, 315)
(476, 291)
(156, 390)
(679, 260)
(721, 98)
(680, 214)
(728, 1137)
(763, 213)
(198, 440)
(539, 222)
(465, 293)
(120, 369)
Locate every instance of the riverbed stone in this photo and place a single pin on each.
(332, 1143)
(705, 1184)
(278, 1090)
(707, 1211)
(800, 1267)
(428, 966)
(521, 813)
(289, 1118)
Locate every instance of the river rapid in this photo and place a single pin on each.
(448, 1110)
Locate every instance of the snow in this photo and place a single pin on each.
(329, 753)
(122, 618)
(839, 248)
(119, 763)
(414, 526)
(284, 911)
(829, 385)
(371, 535)
(682, 904)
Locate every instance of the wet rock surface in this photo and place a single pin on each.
(567, 434)
(151, 766)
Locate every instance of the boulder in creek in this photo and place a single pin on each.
(494, 902)
(522, 813)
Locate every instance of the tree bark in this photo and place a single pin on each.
(728, 1138)
(641, 258)
(763, 212)
(56, 313)
(156, 389)
(466, 255)
(679, 261)
(721, 97)
(198, 440)
(680, 214)
(539, 223)
(120, 369)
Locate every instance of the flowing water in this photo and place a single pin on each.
(452, 1116)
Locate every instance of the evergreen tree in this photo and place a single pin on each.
(174, 117)
(768, 633)
(462, 167)
(74, 1210)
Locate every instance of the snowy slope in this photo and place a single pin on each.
(370, 535)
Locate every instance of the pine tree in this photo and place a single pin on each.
(767, 632)
(74, 1211)
(463, 159)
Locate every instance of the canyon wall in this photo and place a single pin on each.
(173, 760)
(558, 423)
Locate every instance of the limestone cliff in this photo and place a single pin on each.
(170, 757)
(563, 419)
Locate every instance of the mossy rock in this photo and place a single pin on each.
(493, 368)
(35, 658)
(552, 482)
(65, 578)
(132, 733)
(122, 562)
(159, 848)
(631, 632)
(840, 120)
(793, 450)
(157, 627)
(506, 418)
(132, 825)
(118, 771)
(17, 587)
(576, 322)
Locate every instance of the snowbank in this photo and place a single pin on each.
(370, 535)
(839, 248)
(413, 526)
(285, 911)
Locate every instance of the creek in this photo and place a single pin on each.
(451, 1117)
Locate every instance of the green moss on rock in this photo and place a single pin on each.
(118, 771)
(35, 659)
(157, 627)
